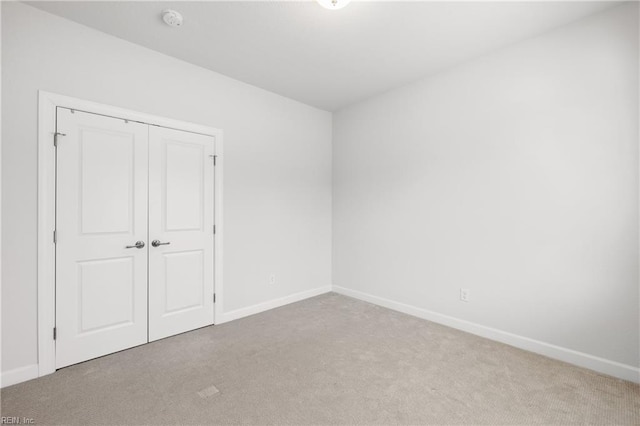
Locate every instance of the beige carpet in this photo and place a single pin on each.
(326, 360)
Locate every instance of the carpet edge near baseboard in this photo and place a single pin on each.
(580, 359)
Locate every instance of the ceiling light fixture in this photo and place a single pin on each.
(172, 18)
(333, 4)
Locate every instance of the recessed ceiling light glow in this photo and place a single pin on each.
(172, 18)
(333, 4)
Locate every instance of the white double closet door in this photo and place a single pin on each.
(134, 231)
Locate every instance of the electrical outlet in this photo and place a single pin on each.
(464, 294)
(272, 279)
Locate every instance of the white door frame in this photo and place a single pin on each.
(47, 104)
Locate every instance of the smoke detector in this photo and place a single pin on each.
(172, 17)
(333, 4)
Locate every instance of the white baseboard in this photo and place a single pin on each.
(18, 375)
(601, 365)
(275, 303)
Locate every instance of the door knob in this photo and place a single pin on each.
(138, 245)
(157, 243)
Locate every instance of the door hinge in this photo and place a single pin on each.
(214, 157)
(214, 298)
(55, 333)
(55, 138)
(214, 229)
(55, 237)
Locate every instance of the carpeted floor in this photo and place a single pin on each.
(325, 360)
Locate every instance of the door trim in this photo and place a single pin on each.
(47, 104)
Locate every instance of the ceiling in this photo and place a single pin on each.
(325, 58)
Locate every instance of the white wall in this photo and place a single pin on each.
(514, 175)
(277, 161)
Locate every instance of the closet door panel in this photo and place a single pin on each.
(181, 196)
(101, 212)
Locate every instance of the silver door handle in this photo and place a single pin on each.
(157, 243)
(138, 245)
